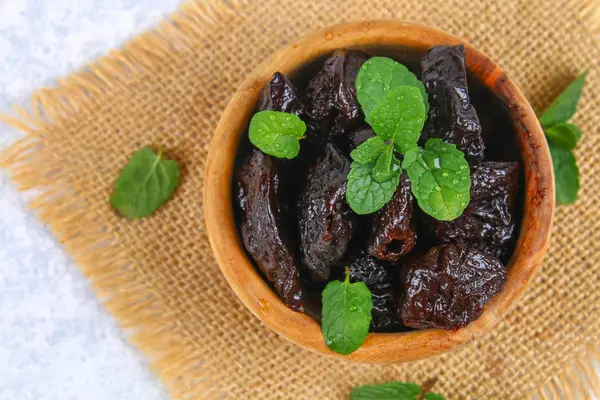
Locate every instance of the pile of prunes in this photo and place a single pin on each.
(296, 225)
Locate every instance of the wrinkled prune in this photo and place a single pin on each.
(381, 280)
(488, 223)
(451, 116)
(332, 92)
(280, 95)
(448, 287)
(393, 230)
(263, 226)
(325, 221)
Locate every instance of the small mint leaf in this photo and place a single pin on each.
(144, 184)
(386, 391)
(380, 75)
(277, 133)
(440, 179)
(566, 174)
(382, 169)
(346, 315)
(400, 116)
(364, 194)
(565, 105)
(369, 150)
(564, 134)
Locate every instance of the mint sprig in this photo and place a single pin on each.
(562, 138)
(346, 314)
(395, 103)
(392, 391)
(277, 133)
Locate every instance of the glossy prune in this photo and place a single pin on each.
(325, 221)
(448, 287)
(380, 278)
(393, 230)
(263, 226)
(332, 92)
(279, 94)
(488, 223)
(452, 117)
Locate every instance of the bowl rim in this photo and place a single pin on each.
(299, 328)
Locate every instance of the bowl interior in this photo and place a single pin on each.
(492, 91)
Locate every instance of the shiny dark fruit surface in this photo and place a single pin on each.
(394, 227)
(448, 287)
(452, 117)
(489, 222)
(325, 222)
(380, 278)
(332, 92)
(264, 228)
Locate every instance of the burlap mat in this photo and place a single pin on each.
(158, 276)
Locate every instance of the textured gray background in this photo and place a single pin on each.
(56, 341)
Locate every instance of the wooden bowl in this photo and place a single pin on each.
(377, 37)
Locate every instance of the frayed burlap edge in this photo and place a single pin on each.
(122, 291)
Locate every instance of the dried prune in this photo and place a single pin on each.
(452, 117)
(279, 94)
(263, 226)
(380, 278)
(332, 92)
(393, 230)
(488, 223)
(448, 287)
(325, 221)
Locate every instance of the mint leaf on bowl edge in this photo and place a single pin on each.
(346, 314)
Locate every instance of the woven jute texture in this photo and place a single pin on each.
(158, 277)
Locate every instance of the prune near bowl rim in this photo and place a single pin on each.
(385, 37)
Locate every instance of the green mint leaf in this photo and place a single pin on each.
(433, 396)
(440, 179)
(364, 194)
(382, 169)
(565, 105)
(566, 174)
(144, 184)
(346, 315)
(400, 116)
(369, 150)
(565, 135)
(386, 391)
(277, 133)
(380, 75)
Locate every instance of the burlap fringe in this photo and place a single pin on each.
(122, 290)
